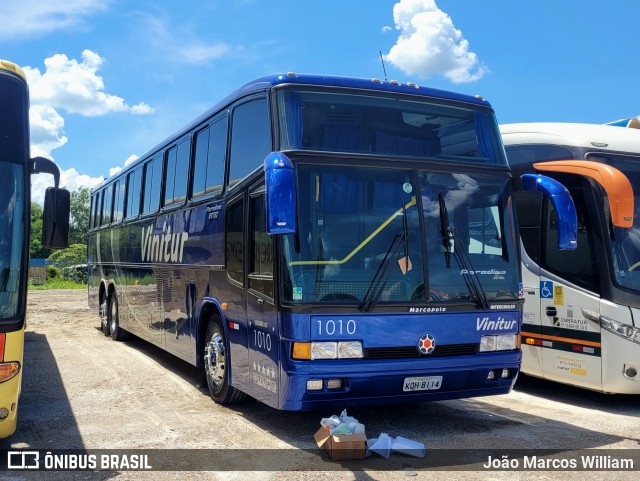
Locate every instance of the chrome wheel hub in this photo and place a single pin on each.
(103, 313)
(214, 359)
(114, 316)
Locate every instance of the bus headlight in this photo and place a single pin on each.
(350, 350)
(500, 342)
(621, 329)
(327, 350)
(324, 350)
(616, 327)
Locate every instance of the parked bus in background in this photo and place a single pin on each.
(582, 308)
(314, 240)
(15, 223)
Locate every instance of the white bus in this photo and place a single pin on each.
(581, 320)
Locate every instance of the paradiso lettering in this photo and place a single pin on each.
(165, 247)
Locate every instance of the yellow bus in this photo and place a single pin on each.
(16, 166)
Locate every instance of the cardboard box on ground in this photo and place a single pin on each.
(342, 446)
(344, 438)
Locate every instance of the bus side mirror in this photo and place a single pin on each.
(55, 219)
(562, 203)
(280, 194)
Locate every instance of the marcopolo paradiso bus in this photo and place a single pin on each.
(316, 240)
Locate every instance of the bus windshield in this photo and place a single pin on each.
(390, 126)
(625, 243)
(12, 230)
(363, 234)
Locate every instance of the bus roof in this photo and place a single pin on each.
(12, 67)
(265, 83)
(604, 137)
(364, 83)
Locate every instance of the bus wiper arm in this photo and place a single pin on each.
(4, 278)
(379, 281)
(471, 279)
(444, 229)
(468, 271)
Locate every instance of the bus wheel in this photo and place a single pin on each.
(104, 316)
(117, 333)
(215, 359)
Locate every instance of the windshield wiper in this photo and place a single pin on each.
(467, 269)
(4, 278)
(379, 281)
(471, 279)
(444, 230)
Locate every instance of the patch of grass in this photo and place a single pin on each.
(57, 283)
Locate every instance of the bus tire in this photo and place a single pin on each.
(116, 332)
(215, 359)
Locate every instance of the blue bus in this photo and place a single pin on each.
(316, 240)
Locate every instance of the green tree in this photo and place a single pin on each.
(79, 218)
(36, 250)
(72, 255)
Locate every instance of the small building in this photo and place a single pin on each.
(38, 271)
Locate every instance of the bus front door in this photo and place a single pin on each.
(570, 341)
(262, 316)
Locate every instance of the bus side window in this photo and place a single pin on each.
(95, 200)
(177, 172)
(118, 201)
(170, 174)
(200, 163)
(182, 170)
(133, 193)
(234, 226)
(250, 139)
(152, 184)
(210, 154)
(261, 253)
(107, 205)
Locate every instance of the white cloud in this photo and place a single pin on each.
(76, 87)
(36, 18)
(131, 159)
(71, 179)
(180, 44)
(430, 44)
(47, 130)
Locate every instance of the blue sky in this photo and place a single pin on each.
(111, 78)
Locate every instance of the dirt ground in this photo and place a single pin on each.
(82, 390)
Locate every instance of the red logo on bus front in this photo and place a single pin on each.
(426, 344)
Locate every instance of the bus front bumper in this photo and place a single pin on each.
(316, 385)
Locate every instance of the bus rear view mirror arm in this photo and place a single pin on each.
(562, 203)
(42, 165)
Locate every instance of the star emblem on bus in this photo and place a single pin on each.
(426, 344)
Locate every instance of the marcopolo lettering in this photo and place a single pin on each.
(499, 324)
(427, 309)
(165, 247)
